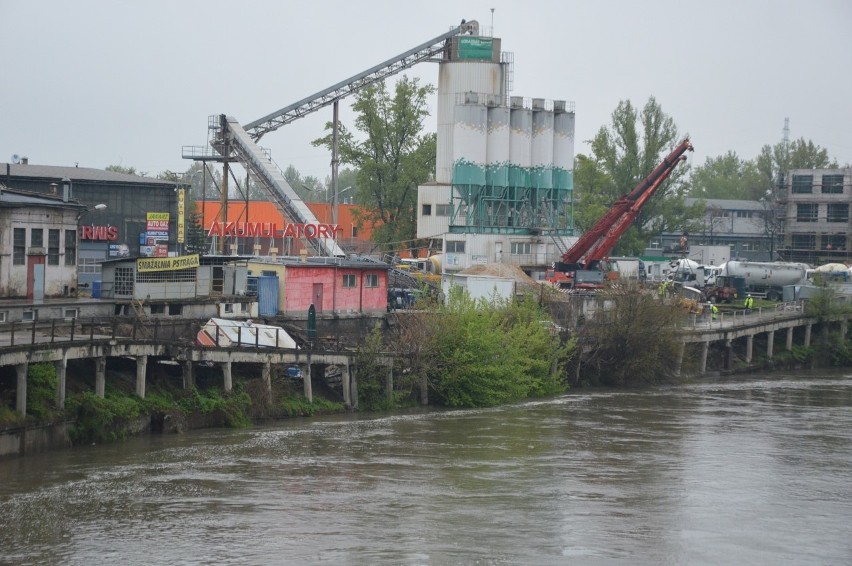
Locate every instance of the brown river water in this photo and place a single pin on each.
(750, 470)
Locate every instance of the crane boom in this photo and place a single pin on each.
(599, 241)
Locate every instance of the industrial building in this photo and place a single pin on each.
(814, 207)
(123, 215)
(503, 191)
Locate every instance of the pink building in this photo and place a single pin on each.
(333, 286)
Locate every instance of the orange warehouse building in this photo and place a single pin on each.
(263, 230)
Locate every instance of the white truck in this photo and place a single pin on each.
(760, 279)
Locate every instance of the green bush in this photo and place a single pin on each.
(102, 419)
(42, 385)
(233, 405)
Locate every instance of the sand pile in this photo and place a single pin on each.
(523, 282)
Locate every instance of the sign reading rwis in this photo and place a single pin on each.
(167, 263)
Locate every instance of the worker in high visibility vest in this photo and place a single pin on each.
(749, 303)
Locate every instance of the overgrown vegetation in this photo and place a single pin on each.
(478, 353)
(233, 406)
(631, 340)
(298, 406)
(42, 385)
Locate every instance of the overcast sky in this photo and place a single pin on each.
(100, 83)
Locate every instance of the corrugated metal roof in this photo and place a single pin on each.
(77, 174)
(10, 198)
(728, 204)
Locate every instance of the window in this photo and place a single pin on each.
(30, 316)
(177, 276)
(19, 246)
(442, 209)
(803, 184)
(354, 231)
(53, 247)
(123, 281)
(743, 214)
(228, 307)
(832, 184)
(69, 313)
(838, 212)
(3, 316)
(71, 247)
(371, 280)
(158, 308)
(427, 210)
(175, 310)
(833, 241)
(37, 238)
(803, 241)
(349, 281)
(521, 248)
(807, 212)
(454, 247)
(88, 264)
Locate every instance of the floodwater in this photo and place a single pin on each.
(753, 470)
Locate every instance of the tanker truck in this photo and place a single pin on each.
(759, 279)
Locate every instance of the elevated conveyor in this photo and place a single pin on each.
(351, 85)
(252, 156)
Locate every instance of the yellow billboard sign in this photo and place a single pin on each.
(157, 216)
(167, 263)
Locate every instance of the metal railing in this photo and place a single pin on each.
(746, 317)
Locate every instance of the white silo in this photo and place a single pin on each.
(541, 173)
(497, 155)
(563, 145)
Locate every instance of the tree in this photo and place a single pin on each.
(727, 177)
(393, 160)
(624, 154)
(773, 162)
(634, 342)
(125, 170)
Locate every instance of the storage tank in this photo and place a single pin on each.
(766, 277)
(563, 145)
(541, 154)
(497, 152)
(520, 143)
(469, 145)
(473, 65)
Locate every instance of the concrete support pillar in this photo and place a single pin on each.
(790, 339)
(702, 364)
(141, 370)
(679, 362)
(226, 374)
(770, 343)
(424, 390)
(309, 391)
(61, 369)
(729, 354)
(749, 348)
(844, 326)
(389, 384)
(21, 399)
(353, 389)
(266, 375)
(344, 381)
(100, 377)
(808, 328)
(188, 374)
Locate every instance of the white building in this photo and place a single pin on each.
(38, 256)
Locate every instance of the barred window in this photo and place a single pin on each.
(176, 276)
(123, 281)
(71, 247)
(838, 212)
(832, 184)
(803, 241)
(803, 184)
(53, 247)
(371, 280)
(807, 212)
(37, 238)
(349, 281)
(19, 246)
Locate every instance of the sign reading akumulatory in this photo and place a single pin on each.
(167, 263)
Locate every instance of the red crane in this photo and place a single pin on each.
(598, 242)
